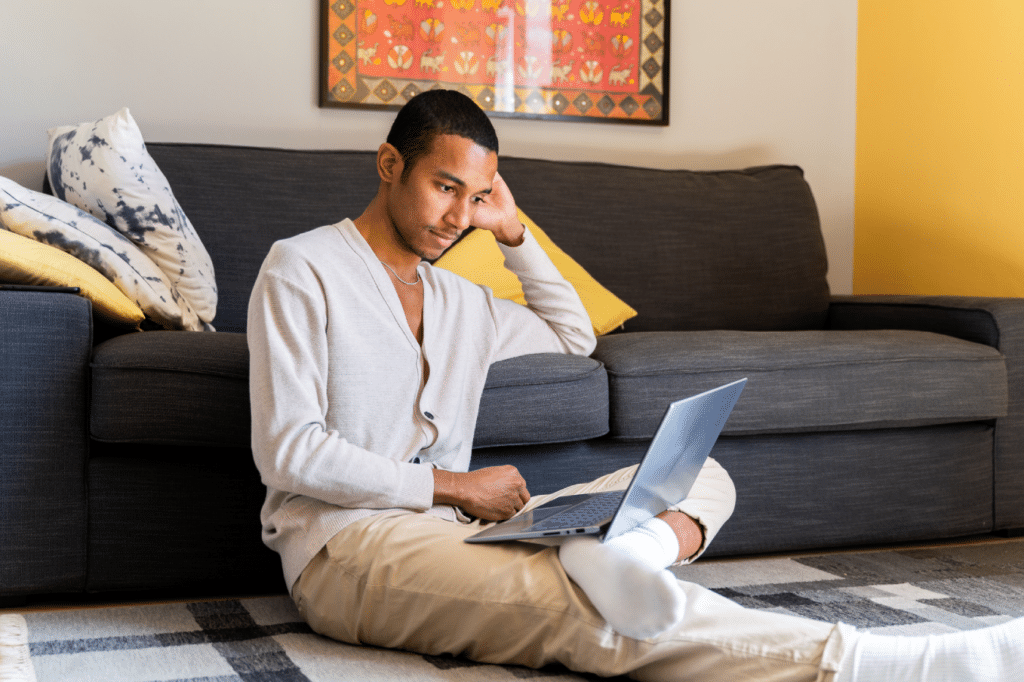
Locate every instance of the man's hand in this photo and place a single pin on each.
(497, 214)
(492, 493)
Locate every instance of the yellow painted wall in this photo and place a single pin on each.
(939, 203)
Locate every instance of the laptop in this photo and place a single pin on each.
(674, 458)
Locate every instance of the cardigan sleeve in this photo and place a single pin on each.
(293, 447)
(553, 320)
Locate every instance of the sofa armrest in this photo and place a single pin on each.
(996, 322)
(976, 319)
(45, 346)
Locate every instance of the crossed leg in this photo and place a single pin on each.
(408, 581)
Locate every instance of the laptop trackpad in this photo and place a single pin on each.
(520, 523)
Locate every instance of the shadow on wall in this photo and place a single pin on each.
(742, 157)
(28, 174)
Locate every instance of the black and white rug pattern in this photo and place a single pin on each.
(908, 591)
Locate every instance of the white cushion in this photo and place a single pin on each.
(103, 167)
(49, 220)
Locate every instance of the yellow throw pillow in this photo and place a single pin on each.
(26, 261)
(478, 258)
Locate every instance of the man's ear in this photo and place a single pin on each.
(389, 163)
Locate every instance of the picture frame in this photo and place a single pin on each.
(567, 60)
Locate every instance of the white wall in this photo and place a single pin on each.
(752, 82)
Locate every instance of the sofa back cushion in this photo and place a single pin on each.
(689, 250)
(243, 199)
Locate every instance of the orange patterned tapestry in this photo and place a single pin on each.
(534, 58)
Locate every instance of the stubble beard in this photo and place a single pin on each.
(403, 242)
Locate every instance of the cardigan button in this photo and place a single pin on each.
(415, 460)
(428, 416)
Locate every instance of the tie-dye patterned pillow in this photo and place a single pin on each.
(49, 220)
(103, 167)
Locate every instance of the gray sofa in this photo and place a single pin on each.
(125, 457)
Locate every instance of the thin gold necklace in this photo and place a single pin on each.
(411, 284)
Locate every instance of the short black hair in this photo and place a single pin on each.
(438, 112)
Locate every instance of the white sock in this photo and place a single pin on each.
(988, 654)
(626, 580)
(15, 663)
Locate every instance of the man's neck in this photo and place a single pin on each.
(375, 227)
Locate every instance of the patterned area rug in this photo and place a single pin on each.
(897, 592)
(905, 591)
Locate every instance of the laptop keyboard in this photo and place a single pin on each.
(587, 513)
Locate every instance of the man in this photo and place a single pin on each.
(367, 367)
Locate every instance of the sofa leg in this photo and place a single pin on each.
(1010, 532)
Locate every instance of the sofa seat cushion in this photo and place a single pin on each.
(186, 388)
(543, 398)
(805, 381)
(190, 388)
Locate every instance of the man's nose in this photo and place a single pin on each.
(460, 215)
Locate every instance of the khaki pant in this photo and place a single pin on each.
(405, 580)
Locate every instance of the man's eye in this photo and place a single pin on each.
(447, 188)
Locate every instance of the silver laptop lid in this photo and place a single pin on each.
(675, 456)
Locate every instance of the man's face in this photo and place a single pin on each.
(440, 196)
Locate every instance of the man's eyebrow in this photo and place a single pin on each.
(451, 178)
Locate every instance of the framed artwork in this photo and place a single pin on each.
(593, 60)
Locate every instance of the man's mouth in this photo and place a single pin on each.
(449, 238)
